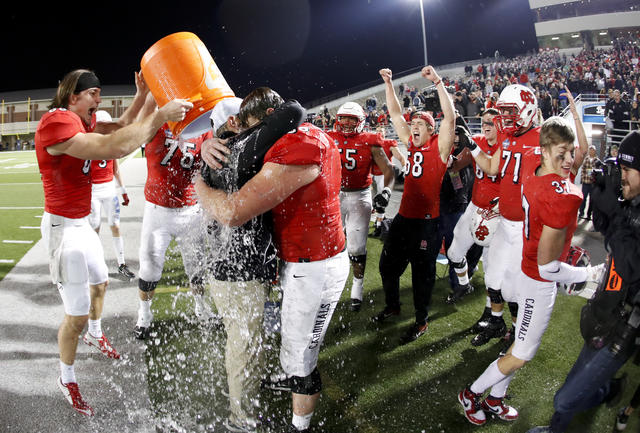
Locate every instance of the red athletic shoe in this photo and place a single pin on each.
(497, 407)
(470, 402)
(72, 394)
(102, 344)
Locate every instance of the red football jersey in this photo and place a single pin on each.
(387, 144)
(552, 201)
(485, 188)
(65, 179)
(102, 171)
(356, 158)
(423, 175)
(520, 156)
(308, 224)
(171, 166)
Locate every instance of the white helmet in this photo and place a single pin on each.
(518, 108)
(350, 109)
(103, 116)
(484, 223)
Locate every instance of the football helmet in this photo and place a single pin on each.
(518, 108)
(484, 223)
(577, 257)
(350, 109)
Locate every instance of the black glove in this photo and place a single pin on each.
(381, 200)
(465, 138)
(398, 174)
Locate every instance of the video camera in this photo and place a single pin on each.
(431, 99)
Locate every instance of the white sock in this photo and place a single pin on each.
(357, 288)
(144, 312)
(499, 390)
(488, 303)
(496, 313)
(118, 245)
(490, 377)
(95, 328)
(67, 373)
(301, 422)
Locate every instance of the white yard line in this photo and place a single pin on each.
(7, 261)
(10, 241)
(2, 161)
(22, 183)
(20, 207)
(30, 227)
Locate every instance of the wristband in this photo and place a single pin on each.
(386, 190)
(122, 190)
(476, 151)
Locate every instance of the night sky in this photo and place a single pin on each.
(304, 49)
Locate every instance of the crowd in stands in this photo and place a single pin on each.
(590, 72)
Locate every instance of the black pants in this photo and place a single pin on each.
(412, 241)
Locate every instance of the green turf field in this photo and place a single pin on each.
(371, 383)
(21, 206)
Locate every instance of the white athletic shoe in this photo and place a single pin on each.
(101, 344)
(73, 396)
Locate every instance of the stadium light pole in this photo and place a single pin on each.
(424, 33)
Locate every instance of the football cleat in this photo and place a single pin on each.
(102, 344)
(141, 332)
(416, 331)
(496, 406)
(458, 292)
(622, 419)
(124, 270)
(72, 394)
(483, 321)
(472, 407)
(356, 304)
(385, 314)
(495, 329)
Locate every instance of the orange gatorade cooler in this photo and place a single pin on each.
(179, 66)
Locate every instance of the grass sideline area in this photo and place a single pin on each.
(371, 384)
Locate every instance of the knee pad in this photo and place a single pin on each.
(361, 259)
(307, 385)
(495, 296)
(146, 286)
(513, 308)
(461, 265)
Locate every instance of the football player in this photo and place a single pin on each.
(518, 156)
(359, 152)
(67, 138)
(390, 148)
(550, 202)
(171, 211)
(483, 196)
(104, 175)
(413, 235)
(300, 183)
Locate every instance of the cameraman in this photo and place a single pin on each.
(608, 343)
